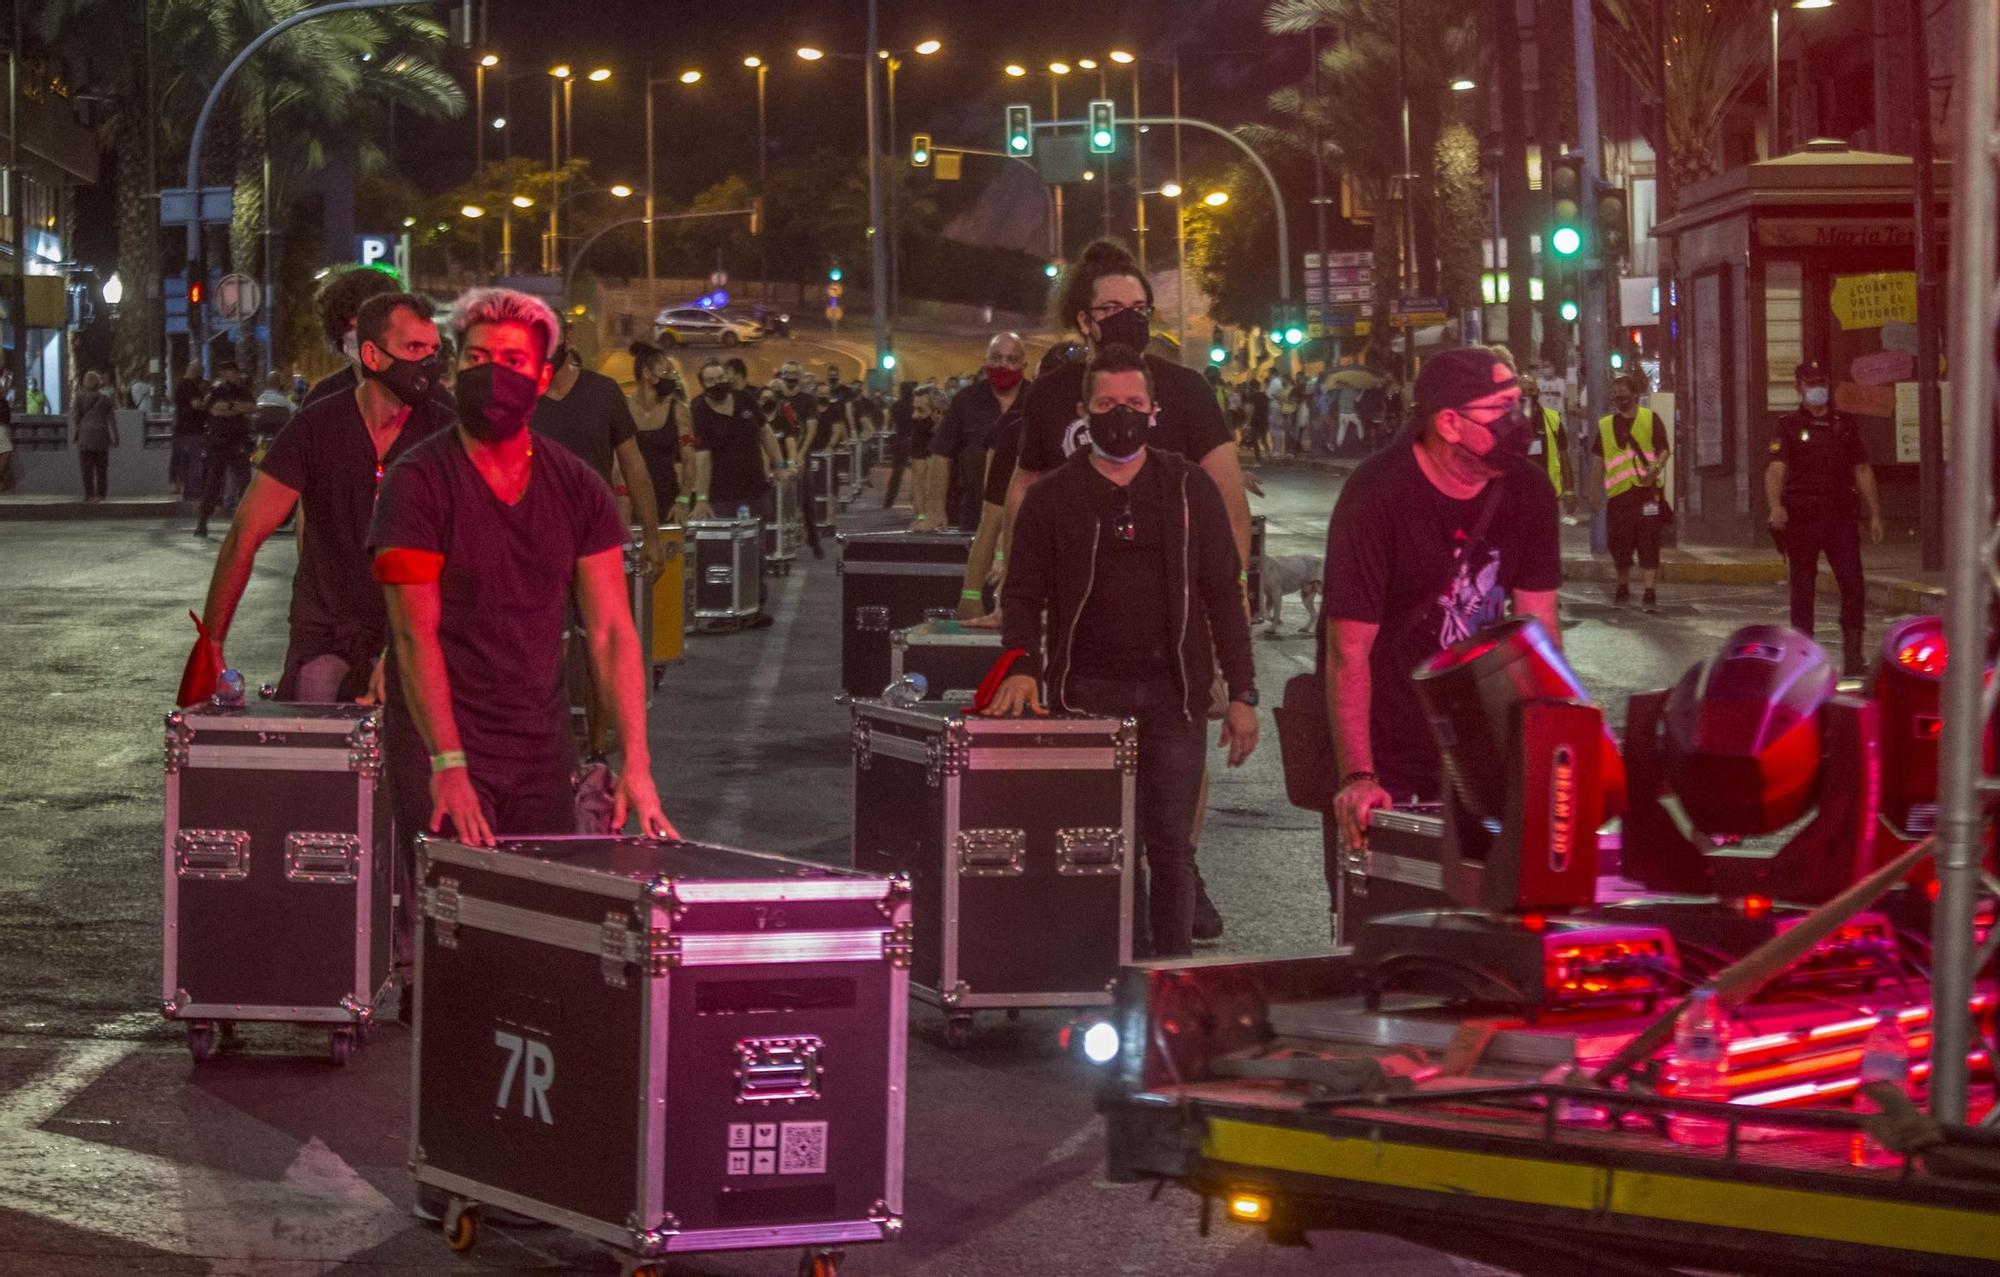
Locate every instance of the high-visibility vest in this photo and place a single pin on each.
(1624, 467)
(1552, 447)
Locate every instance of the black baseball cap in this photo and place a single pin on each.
(1813, 370)
(1457, 377)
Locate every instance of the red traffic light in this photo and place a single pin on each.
(196, 292)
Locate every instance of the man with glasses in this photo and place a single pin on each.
(965, 437)
(1432, 540)
(1122, 596)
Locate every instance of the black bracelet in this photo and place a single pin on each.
(1351, 777)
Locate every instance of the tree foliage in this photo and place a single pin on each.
(1713, 53)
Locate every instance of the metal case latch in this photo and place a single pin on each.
(769, 1070)
(618, 947)
(212, 855)
(871, 618)
(991, 853)
(1087, 851)
(441, 907)
(329, 858)
(719, 574)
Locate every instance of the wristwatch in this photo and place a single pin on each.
(1248, 696)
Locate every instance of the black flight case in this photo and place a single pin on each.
(1016, 835)
(890, 581)
(277, 870)
(665, 1047)
(728, 560)
(952, 659)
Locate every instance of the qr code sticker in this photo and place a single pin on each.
(802, 1149)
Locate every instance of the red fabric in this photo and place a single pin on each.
(203, 668)
(408, 567)
(990, 685)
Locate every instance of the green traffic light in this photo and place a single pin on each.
(1019, 142)
(922, 156)
(1617, 360)
(1293, 336)
(834, 274)
(1569, 312)
(1051, 270)
(1567, 241)
(1101, 138)
(888, 359)
(1217, 355)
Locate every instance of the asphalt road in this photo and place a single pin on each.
(119, 1156)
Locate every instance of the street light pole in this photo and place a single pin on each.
(1138, 173)
(1180, 209)
(479, 140)
(763, 253)
(651, 262)
(893, 64)
(1055, 113)
(877, 266)
(1409, 177)
(549, 262)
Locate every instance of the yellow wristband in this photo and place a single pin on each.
(446, 761)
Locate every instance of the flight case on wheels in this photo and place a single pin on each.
(784, 531)
(952, 658)
(666, 1047)
(1016, 834)
(1398, 868)
(729, 571)
(890, 581)
(277, 870)
(822, 490)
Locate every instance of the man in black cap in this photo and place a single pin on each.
(1818, 466)
(1431, 540)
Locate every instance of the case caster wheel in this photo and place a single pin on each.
(958, 1032)
(340, 1045)
(659, 676)
(201, 1041)
(461, 1226)
(820, 1263)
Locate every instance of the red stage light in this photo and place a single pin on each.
(1756, 906)
(1534, 922)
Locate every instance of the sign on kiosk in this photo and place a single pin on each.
(392, 251)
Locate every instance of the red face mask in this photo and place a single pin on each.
(1002, 378)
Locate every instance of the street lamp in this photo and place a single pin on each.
(1772, 125)
(600, 75)
(1172, 190)
(114, 290)
(928, 47)
(878, 267)
(690, 77)
(1016, 70)
(1463, 85)
(1215, 199)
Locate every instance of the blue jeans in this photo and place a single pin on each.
(1169, 787)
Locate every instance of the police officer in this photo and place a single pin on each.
(1628, 459)
(1818, 464)
(1549, 444)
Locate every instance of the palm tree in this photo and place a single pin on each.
(1713, 54)
(311, 93)
(1359, 113)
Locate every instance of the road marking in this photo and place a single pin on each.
(735, 800)
(1075, 1142)
(305, 1224)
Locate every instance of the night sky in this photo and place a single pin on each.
(709, 130)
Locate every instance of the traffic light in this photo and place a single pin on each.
(197, 291)
(1611, 224)
(1020, 130)
(1103, 130)
(1294, 335)
(1569, 310)
(1052, 269)
(1565, 185)
(920, 150)
(834, 273)
(888, 360)
(1617, 361)
(1218, 355)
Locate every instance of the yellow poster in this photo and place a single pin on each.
(1870, 301)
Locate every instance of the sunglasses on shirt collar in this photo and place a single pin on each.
(1122, 524)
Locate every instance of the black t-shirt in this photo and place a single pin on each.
(1006, 452)
(1187, 422)
(233, 430)
(1122, 631)
(505, 588)
(592, 420)
(1820, 454)
(733, 438)
(189, 419)
(805, 411)
(1389, 562)
(326, 455)
(965, 437)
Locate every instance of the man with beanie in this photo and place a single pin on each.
(1431, 540)
(1818, 468)
(1121, 598)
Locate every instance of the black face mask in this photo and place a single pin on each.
(664, 386)
(1119, 433)
(718, 393)
(769, 407)
(791, 385)
(410, 380)
(494, 402)
(1126, 328)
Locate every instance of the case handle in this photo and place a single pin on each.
(992, 853)
(328, 858)
(212, 855)
(1089, 851)
(769, 1070)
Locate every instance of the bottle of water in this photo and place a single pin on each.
(906, 691)
(742, 513)
(229, 688)
(1885, 1057)
(1699, 1067)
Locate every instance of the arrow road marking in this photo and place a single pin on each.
(303, 1225)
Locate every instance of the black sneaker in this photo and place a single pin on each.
(1649, 599)
(1622, 596)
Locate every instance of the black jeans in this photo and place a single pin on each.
(1630, 529)
(1840, 540)
(96, 466)
(899, 461)
(1171, 751)
(223, 462)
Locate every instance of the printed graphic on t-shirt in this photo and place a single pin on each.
(1474, 599)
(1076, 436)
